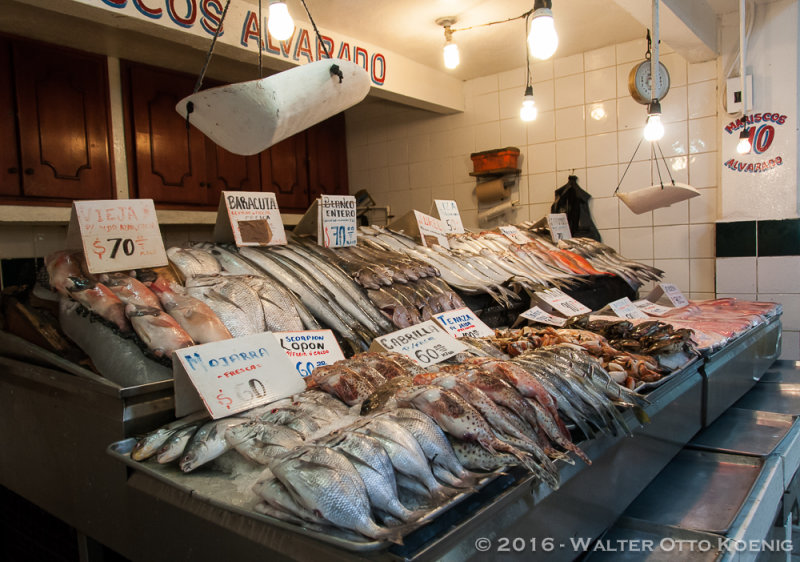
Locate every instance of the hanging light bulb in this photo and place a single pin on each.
(654, 129)
(528, 111)
(280, 24)
(542, 37)
(743, 146)
(451, 56)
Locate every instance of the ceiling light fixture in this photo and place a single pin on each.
(654, 129)
(743, 146)
(542, 38)
(279, 23)
(450, 51)
(528, 111)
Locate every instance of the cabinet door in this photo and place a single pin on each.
(327, 157)
(170, 163)
(230, 172)
(9, 155)
(62, 102)
(283, 171)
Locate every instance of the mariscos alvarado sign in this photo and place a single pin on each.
(203, 17)
(762, 127)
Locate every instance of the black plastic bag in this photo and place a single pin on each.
(574, 201)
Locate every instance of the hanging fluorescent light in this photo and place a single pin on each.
(450, 52)
(280, 24)
(542, 38)
(654, 129)
(528, 111)
(743, 146)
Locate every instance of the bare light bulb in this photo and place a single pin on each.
(542, 38)
(528, 111)
(451, 56)
(654, 130)
(279, 23)
(743, 146)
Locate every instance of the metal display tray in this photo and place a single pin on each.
(745, 432)
(781, 398)
(242, 501)
(783, 370)
(699, 490)
(635, 539)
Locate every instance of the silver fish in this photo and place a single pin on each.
(235, 291)
(149, 444)
(176, 444)
(192, 262)
(262, 442)
(208, 443)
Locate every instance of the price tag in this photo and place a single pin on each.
(624, 308)
(431, 230)
(538, 315)
(449, 215)
(651, 308)
(559, 226)
(231, 376)
(462, 323)
(672, 292)
(336, 221)
(513, 234)
(561, 302)
(425, 343)
(249, 218)
(310, 349)
(117, 234)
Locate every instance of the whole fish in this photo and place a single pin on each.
(275, 493)
(99, 299)
(278, 307)
(194, 316)
(406, 454)
(192, 262)
(229, 261)
(262, 442)
(149, 444)
(235, 291)
(384, 396)
(325, 482)
(474, 457)
(129, 290)
(173, 448)
(60, 267)
(344, 383)
(160, 332)
(208, 443)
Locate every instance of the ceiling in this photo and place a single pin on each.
(408, 27)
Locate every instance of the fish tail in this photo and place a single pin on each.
(447, 477)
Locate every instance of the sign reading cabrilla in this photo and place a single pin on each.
(761, 127)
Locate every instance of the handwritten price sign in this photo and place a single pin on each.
(449, 215)
(424, 343)
(117, 234)
(310, 349)
(336, 221)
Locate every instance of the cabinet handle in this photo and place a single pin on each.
(28, 171)
(12, 170)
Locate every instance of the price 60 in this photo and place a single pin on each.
(426, 356)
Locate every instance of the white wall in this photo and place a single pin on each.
(405, 158)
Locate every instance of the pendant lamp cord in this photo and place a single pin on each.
(199, 83)
(335, 70)
(629, 165)
(260, 40)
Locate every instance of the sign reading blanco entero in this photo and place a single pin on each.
(233, 375)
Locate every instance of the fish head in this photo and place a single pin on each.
(80, 284)
(137, 311)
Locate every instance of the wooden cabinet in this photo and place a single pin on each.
(284, 170)
(327, 158)
(61, 139)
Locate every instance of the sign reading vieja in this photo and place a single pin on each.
(310, 349)
(117, 234)
(336, 221)
(424, 343)
(249, 218)
(462, 323)
(234, 375)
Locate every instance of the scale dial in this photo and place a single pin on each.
(639, 82)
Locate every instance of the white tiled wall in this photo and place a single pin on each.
(587, 124)
(766, 279)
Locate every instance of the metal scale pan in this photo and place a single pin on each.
(745, 432)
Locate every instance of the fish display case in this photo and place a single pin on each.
(589, 499)
(733, 370)
(58, 419)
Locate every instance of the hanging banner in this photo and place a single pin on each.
(116, 235)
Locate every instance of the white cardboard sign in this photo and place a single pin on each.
(336, 221)
(672, 292)
(559, 226)
(561, 302)
(232, 376)
(449, 215)
(425, 343)
(462, 323)
(310, 349)
(624, 308)
(513, 233)
(536, 314)
(651, 308)
(249, 218)
(117, 235)
(431, 230)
